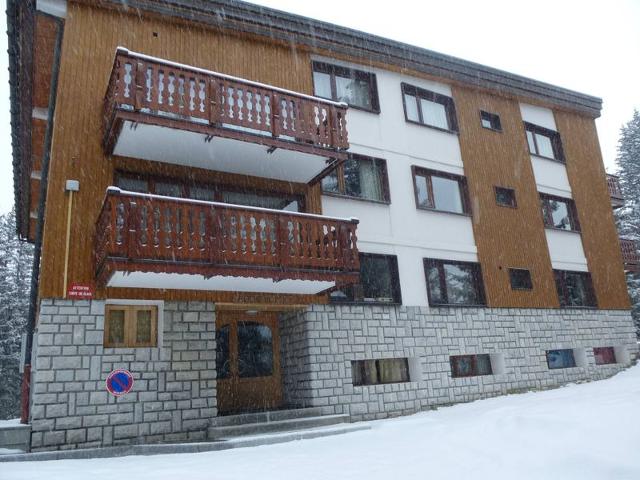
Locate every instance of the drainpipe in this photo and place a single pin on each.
(37, 248)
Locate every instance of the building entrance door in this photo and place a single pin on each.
(247, 362)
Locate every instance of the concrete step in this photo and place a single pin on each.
(262, 417)
(14, 437)
(166, 448)
(252, 429)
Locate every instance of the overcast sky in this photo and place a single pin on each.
(588, 46)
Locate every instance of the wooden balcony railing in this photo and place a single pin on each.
(615, 192)
(193, 98)
(630, 256)
(141, 232)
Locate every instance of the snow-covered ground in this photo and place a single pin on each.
(587, 431)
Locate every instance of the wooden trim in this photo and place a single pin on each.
(130, 325)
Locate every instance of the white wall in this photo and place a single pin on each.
(565, 249)
(400, 228)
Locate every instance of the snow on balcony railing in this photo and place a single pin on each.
(147, 84)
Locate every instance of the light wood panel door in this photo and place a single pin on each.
(248, 362)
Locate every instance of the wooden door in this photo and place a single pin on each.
(248, 362)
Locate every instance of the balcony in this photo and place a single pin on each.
(615, 192)
(630, 256)
(163, 111)
(150, 241)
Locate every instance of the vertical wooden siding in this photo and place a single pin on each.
(505, 237)
(589, 187)
(91, 37)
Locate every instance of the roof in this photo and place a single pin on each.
(250, 18)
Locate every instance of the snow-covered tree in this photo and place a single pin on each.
(15, 275)
(628, 217)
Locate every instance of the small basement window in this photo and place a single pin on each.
(376, 372)
(470, 365)
(490, 121)
(604, 355)
(560, 359)
(128, 326)
(506, 197)
(520, 279)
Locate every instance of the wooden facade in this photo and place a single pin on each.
(506, 237)
(491, 159)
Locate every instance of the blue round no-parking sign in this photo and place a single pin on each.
(119, 382)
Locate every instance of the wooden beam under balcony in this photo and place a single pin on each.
(615, 192)
(630, 256)
(159, 110)
(150, 241)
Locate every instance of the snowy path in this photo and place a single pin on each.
(588, 431)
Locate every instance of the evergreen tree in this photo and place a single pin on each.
(15, 275)
(628, 217)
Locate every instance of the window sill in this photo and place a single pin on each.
(579, 307)
(497, 130)
(358, 199)
(433, 127)
(435, 210)
(555, 229)
(457, 305)
(355, 107)
(522, 289)
(361, 304)
(512, 207)
(551, 159)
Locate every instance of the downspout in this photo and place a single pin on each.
(37, 248)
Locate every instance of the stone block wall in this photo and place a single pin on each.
(174, 392)
(318, 346)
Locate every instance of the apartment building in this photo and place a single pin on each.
(255, 211)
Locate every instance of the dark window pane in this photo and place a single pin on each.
(560, 214)
(577, 288)
(530, 142)
(168, 189)
(393, 370)
(462, 366)
(422, 191)
(356, 92)
(433, 280)
(377, 279)
(505, 197)
(116, 327)
(520, 279)
(561, 359)
(255, 350)
(446, 194)
(143, 326)
(322, 84)
(330, 182)
(223, 360)
(133, 184)
(411, 107)
(490, 120)
(202, 193)
(484, 365)
(460, 283)
(363, 178)
(604, 355)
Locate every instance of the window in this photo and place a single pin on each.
(359, 177)
(604, 355)
(440, 191)
(506, 197)
(575, 289)
(453, 283)
(375, 372)
(429, 108)
(131, 326)
(342, 84)
(544, 142)
(173, 187)
(561, 358)
(255, 350)
(379, 281)
(490, 121)
(223, 352)
(520, 279)
(470, 365)
(560, 213)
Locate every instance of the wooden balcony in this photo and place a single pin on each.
(615, 192)
(630, 256)
(150, 241)
(158, 110)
